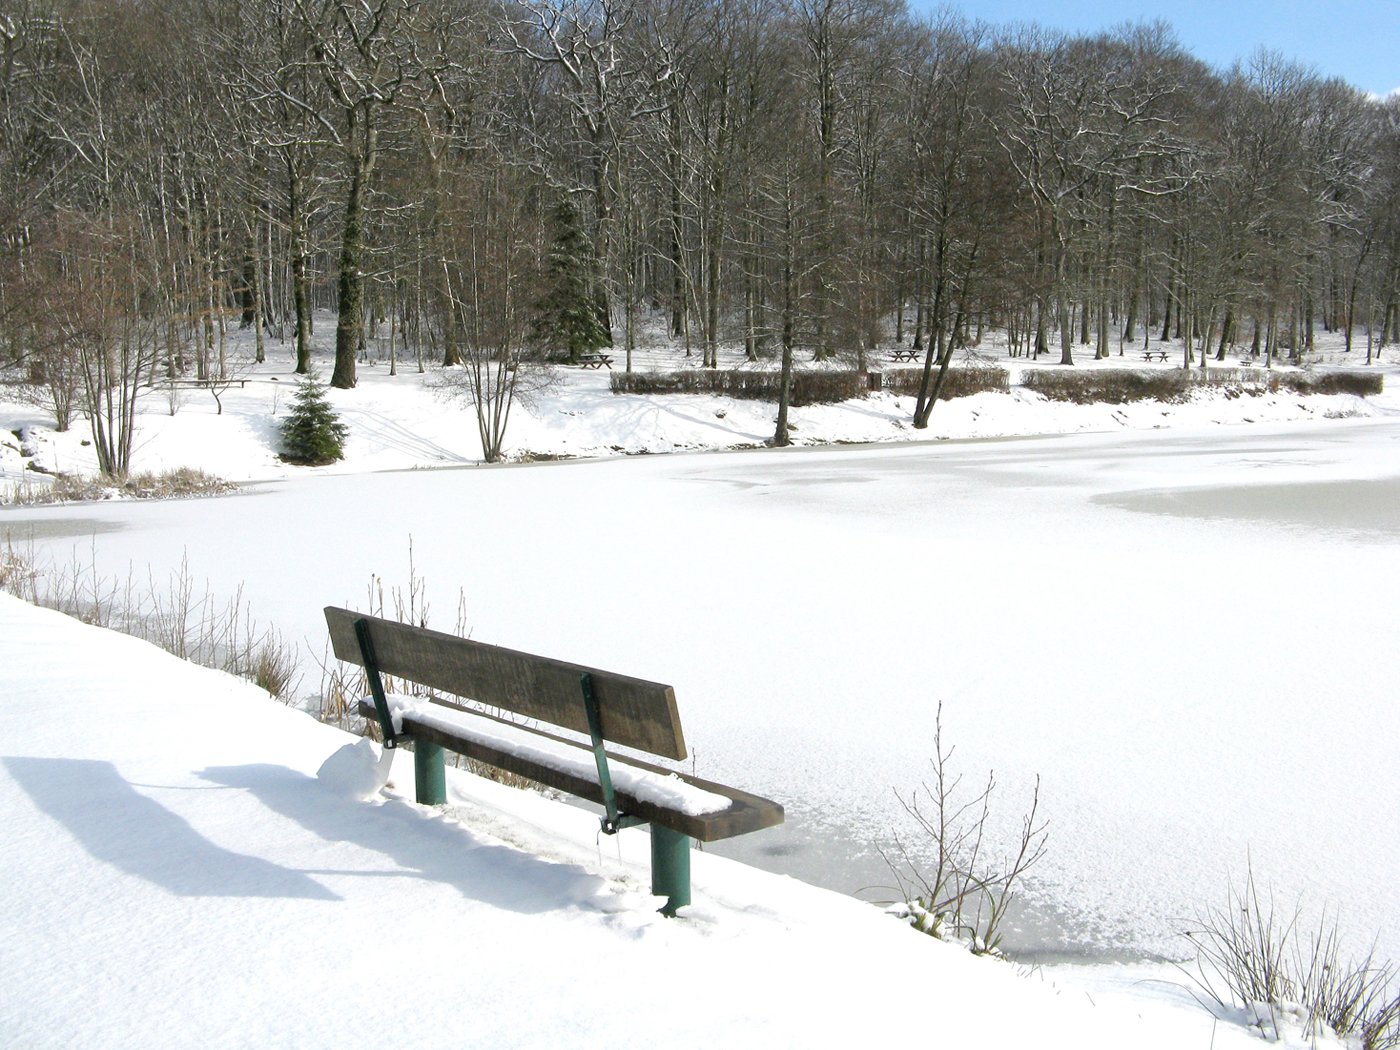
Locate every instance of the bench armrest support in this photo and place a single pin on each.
(376, 684)
(610, 820)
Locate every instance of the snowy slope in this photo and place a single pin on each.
(176, 875)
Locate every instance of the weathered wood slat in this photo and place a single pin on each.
(636, 713)
(746, 812)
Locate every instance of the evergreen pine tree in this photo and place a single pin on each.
(312, 434)
(566, 315)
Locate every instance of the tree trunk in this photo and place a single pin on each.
(301, 292)
(350, 286)
(1062, 306)
(780, 432)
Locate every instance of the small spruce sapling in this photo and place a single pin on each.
(312, 434)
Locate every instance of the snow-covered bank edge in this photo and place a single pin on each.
(396, 423)
(169, 831)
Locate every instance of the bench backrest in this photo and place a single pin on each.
(635, 713)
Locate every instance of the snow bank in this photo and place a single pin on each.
(175, 877)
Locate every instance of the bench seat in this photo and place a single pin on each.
(699, 808)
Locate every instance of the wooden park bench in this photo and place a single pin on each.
(552, 695)
(595, 361)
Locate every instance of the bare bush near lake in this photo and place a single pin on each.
(343, 686)
(954, 884)
(826, 386)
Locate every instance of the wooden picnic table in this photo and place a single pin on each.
(903, 354)
(595, 361)
(203, 383)
(1157, 355)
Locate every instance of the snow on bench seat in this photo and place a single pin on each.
(663, 790)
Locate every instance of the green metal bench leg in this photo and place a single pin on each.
(670, 867)
(429, 777)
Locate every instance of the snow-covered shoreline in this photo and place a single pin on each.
(403, 421)
(178, 875)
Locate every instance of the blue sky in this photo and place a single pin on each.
(1358, 40)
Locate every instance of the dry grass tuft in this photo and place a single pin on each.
(175, 615)
(182, 483)
(1252, 957)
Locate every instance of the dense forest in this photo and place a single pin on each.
(470, 176)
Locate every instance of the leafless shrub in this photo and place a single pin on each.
(965, 893)
(17, 573)
(53, 385)
(1116, 386)
(180, 483)
(56, 488)
(99, 283)
(492, 383)
(344, 685)
(175, 615)
(1113, 386)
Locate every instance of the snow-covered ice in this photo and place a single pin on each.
(1202, 685)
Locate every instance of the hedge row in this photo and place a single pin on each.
(1113, 386)
(1362, 384)
(959, 382)
(1117, 386)
(808, 387)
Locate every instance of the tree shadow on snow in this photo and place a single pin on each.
(119, 826)
(419, 842)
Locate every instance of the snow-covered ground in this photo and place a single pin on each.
(400, 422)
(178, 874)
(1180, 630)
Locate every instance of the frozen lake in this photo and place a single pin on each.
(1184, 633)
